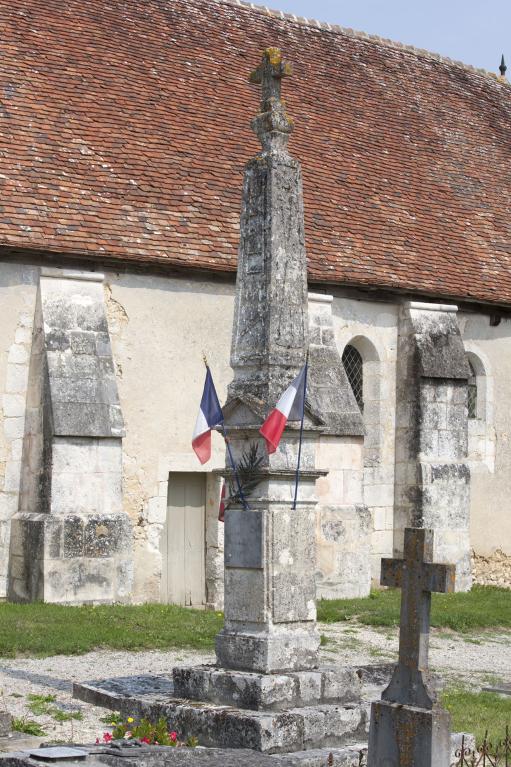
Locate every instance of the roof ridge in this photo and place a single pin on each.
(365, 37)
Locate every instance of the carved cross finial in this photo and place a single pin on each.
(272, 124)
(269, 73)
(417, 577)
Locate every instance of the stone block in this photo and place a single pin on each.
(244, 538)
(5, 724)
(13, 405)
(404, 735)
(288, 649)
(242, 595)
(341, 685)
(17, 378)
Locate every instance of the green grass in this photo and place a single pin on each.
(42, 704)
(39, 704)
(28, 726)
(44, 629)
(478, 712)
(483, 607)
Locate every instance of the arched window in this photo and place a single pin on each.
(472, 392)
(353, 365)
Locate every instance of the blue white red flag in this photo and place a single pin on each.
(210, 415)
(289, 408)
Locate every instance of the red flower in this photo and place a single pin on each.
(173, 735)
(97, 741)
(145, 740)
(107, 737)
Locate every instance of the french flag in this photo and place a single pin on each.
(210, 415)
(289, 408)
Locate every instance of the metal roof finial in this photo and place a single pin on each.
(502, 67)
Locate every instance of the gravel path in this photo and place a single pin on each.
(475, 660)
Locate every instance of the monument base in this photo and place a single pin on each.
(266, 652)
(406, 736)
(272, 728)
(268, 692)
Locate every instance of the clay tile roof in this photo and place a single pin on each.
(124, 128)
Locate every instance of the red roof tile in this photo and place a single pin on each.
(124, 128)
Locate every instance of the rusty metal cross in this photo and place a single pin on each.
(417, 577)
(269, 74)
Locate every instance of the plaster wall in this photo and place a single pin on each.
(18, 290)
(371, 327)
(160, 328)
(490, 433)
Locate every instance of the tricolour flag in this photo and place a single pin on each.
(210, 415)
(288, 408)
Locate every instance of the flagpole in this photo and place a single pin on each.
(297, 478)
(231, 457)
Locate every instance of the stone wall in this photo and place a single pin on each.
(158, 341)
(371, 327)
(343, 522)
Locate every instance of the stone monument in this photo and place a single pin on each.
(408, 727)
(267, 652)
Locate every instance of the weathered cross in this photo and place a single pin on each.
(417, 577)
(269, 74)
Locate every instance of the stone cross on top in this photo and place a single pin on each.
(417, 577)
(269, 74)
(272, 125)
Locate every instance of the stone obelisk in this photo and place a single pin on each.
(269, 549)
(265, 691)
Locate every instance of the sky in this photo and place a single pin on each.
(476, 32)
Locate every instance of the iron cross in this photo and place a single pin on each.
(417, 577)
(269, 73)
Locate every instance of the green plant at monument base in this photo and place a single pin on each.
(482, 607)
(41, 705)
(27, 726)
(144, 731)
(65, 716)
(478, 712)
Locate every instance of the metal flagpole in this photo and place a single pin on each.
(231, 457)
(297, 478)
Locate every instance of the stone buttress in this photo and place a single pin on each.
(71, 540)
(432, 475)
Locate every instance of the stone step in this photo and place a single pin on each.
(295, 729)
(268, 692)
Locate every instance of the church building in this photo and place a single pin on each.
(125, 127)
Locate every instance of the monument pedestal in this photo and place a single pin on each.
(408, 736)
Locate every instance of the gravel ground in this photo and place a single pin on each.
(475, 660)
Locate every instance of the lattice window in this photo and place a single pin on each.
(353, 365)
(472, 393)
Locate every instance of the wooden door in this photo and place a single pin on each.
(183, 550)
